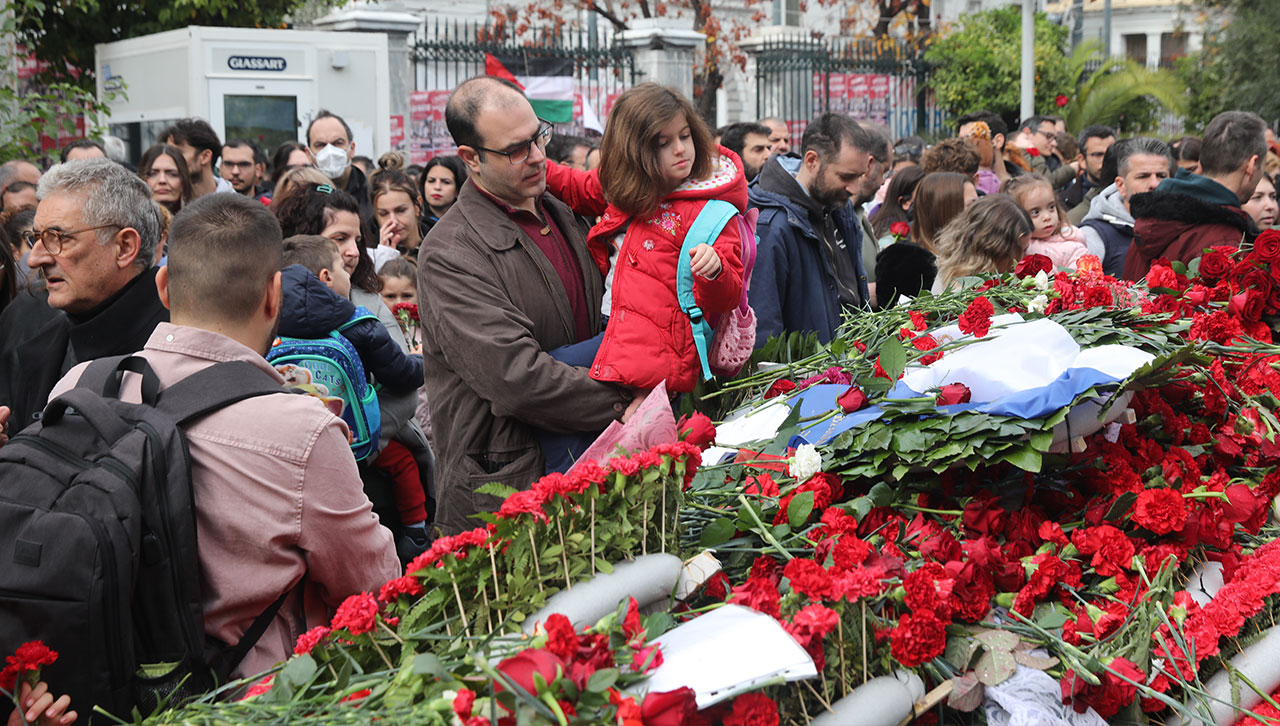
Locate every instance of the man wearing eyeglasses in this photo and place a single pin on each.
(1041, 134)
(94, 244)
(504, 277)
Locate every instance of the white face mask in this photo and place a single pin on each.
(332, 161)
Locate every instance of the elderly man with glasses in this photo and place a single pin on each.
(505, 277)
(94, 244)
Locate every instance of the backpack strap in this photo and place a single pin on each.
(227, 660)
(215, 388)
(103, 376)
(360, 315)
(704, 230)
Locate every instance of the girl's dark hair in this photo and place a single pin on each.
(311, 209)
(280, 158)
(149, 157)
(629, 171)
(400, 267)
(901, 186)
(453, 164)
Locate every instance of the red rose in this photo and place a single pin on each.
(669, 708)
(1061, 100)
(1031, 265)
(697, 429)
(976, 319)
(953, 393)
(852, 400)
(519, 668)
(900, 229)
(919, 638)
(1160, 510)
(1267, 246)
(1215, 264)
(779, 387)
(1247, 305)
(358, 614)
(751, 709)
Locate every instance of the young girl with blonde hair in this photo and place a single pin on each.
(1052, 235)
(659, 167)
(988, 238)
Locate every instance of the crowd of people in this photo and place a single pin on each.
(553, 283)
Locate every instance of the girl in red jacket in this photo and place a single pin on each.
(659, 166)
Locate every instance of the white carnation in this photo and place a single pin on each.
(1042, 280)
(806, 462)
(1038, 303)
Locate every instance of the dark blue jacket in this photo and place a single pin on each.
(309, 309)
(792, 286)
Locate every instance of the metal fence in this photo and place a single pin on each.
(798, 78)
(449, 53)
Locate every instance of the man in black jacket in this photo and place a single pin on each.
(94, 243)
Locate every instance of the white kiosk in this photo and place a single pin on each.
(260, 85)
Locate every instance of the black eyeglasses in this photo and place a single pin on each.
(519, 153)
(54, 239)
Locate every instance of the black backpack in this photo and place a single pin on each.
(98, 539)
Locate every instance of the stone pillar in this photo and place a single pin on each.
(398, 26)
(664, 50)
(1153, 50)
(786, 94)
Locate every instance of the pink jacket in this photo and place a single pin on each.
(1064, 249)
(277, 498)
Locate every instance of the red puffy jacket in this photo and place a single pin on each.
(649, 339)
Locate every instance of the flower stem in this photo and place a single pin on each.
(537, 570)
(466, 627)
(764, 531)
(564, 557)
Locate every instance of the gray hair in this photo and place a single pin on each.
(1230, 139)
(10, 170)
(1126, 149)
(113, 197)
(115, 149)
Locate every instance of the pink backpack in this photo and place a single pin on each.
(735, 336)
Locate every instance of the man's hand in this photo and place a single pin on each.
(5, 413)
(635, 404)
(41, 708)
(704, 261)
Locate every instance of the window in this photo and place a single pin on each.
(1135, 47)
(786, 12)
(1172, 47)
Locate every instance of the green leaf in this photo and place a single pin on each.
(657, 624)
(298, 671)
(881, 495)
(428, 664)
(799, 509)
(1121, 506)
(1050, 615)
(496, 489)
(893, 358)
(602, 680)
(1023, 457)
(604, 565)
(717, 533)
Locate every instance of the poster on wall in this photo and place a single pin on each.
(428, 135)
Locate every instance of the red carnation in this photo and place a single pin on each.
(900, 229)
(852, 400)
(697, 429)
(529, 501)
(759, 594)
(409, 309)
(407, 585)
(976, 319)
(953, 393)
(751, 709)
(562, 639)
(310, 639)
(1061, 100)
(1160, 276)
(779, 387)
(464, 702)
(919, 638)
(1033, 151)
(1032, 265)
(1160, 510)
(808, 578)
(358, 614)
